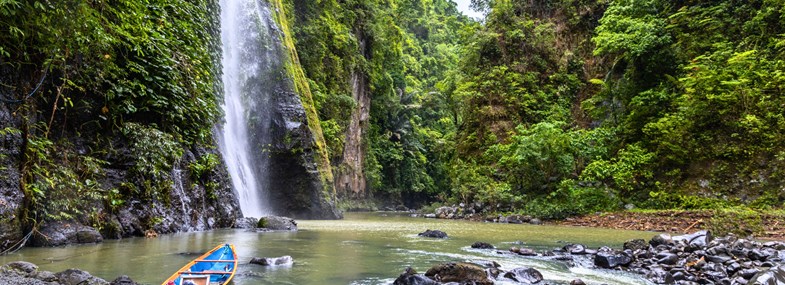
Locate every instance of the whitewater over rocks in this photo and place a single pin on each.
(696, 258)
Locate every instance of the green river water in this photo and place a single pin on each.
(363, 248)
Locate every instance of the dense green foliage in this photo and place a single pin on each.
(551, 108)
(402, 49)
(557, 108)
(81, 74)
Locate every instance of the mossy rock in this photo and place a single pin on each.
(276, 223)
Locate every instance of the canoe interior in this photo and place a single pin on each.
(218, 265)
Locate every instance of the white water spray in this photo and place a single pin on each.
(245, 37)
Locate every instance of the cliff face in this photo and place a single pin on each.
(350, 175)
(11, 196)
(112, 145)
(301, 180)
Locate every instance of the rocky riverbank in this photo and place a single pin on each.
(21, 272)
(696, 258)
(763, 225)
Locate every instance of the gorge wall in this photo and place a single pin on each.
(114, 138)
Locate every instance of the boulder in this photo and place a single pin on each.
(410, 277)
(514, 220)
(613, 259)
(123, 280)
(79, 277)
(660, 276)
(667, 258)
(63, 233)
(696, 239)
(433, 234)
(482, 245)
(276, 223)
(772, 276)
(575, 249)
(445, 212)
(245, 223)
(21, 268)
(523, 251)
(635, 244)
(525, 275)
(272, 261)
(535, 221)
(661, 239)
(459, 272)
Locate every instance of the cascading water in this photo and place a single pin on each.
(248, 60)
(177, 177)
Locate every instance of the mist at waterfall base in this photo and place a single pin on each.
(248, 57)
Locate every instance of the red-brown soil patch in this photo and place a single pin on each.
(676, 222)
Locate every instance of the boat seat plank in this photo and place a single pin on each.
(211, 272)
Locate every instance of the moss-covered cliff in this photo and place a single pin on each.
(107, 114)
(284, 123)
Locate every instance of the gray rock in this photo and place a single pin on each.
(88, 235)
(276, 223)
(575, 249)
(410, 277)
(696, 239)
(245, 223)
(609, 260)
(667, 258)
(718, 258)
(444, 212)
(514, 220)
(78, 277)
(123, 280)
(272, 261)
(660, 276)
(46, 276)
(773, 276)
(525, 275)
(482, 245)
(661, 239)
(63, 233)
(635, 244)
(526, 252)
(433, 234)
(535, 221)
(22, 268)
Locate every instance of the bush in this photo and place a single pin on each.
(666, 200)
(572, 199)
(741, 222)
(155, 154)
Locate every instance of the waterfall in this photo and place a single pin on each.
(177, 177)
(249, 57)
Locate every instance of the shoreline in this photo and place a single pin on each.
(768, 227)
(764, 225)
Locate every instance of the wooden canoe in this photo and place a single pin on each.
(216, 267)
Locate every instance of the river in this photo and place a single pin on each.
(363, 248)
